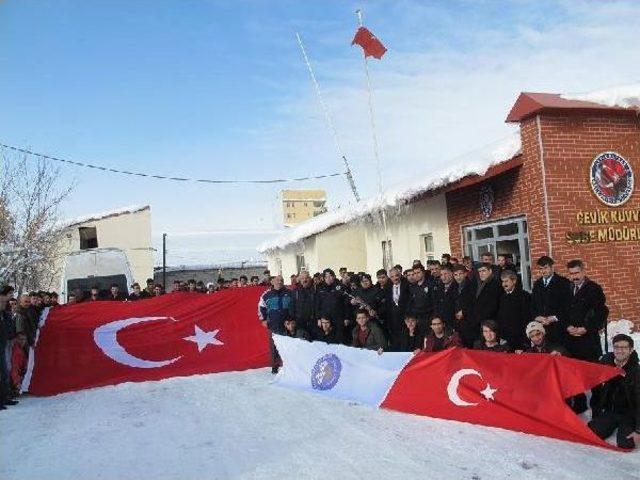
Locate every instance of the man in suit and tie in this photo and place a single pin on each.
(550, 300)
(463, 322)
(587, 314)
(397, 304)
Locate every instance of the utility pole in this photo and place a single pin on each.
(164, 261)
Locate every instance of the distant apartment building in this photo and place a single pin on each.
(301, 205)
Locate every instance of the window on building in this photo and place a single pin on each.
(426, 246)
(300, 264)
(318, 204)
(305, 204)
(387, 254)
(88, 237)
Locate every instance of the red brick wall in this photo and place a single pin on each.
(571, 141)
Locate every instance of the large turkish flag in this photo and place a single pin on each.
(104, 343)
(525, 393)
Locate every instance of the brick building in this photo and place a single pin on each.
(541, 202)
(562, 186)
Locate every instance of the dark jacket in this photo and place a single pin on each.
(274, 307)
(552, 300)
(408, 342)
(514, 313)
(444, 301)
(333, 304)
(548, 347)
(450, 339)
(370, 296)
(586, 309)
(27, 323)
(120, 297)
(620, 395)
(486, 300)
(502, 346)
(382, 298)
(298, 333)
(420, 302)
(374, 339)
(397, 311)
(331, 337)
(468, 328)
(303, 307)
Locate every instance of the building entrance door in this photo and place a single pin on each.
(502, 237)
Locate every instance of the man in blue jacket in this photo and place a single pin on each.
(273, 309)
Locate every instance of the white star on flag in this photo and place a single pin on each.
(203, 338)
(488, 392)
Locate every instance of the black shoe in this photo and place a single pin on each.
(11, 402)
(274, 370)
(2, 407)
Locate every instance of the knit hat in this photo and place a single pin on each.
(534, 326)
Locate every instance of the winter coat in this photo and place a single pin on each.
(552, 300)
(420, 302)
(548, 347)
(330, 337)
(303, 307)
(444, 302)
(486, 300)
(382, 298)
(502, 346)
(451, 339)
(468, 328)
(621, 394)
(370, 296)
(408, 343)
(333, 304)
(514, 313)
(274, 308)
(397, 311)
(27, 323)
(586, 309)
(18, 365)
(374, 340)
(120, 297)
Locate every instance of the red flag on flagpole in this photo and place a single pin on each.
(369, 42)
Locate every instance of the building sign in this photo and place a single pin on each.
(486, 201)
(606, 226)
(611, 179)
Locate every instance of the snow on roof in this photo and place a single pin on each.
(99, 216)
(626, 96)
(473, 163)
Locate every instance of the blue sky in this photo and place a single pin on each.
(219, 90)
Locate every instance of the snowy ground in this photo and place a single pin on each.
(239, 425)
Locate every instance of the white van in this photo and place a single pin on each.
(100, 267)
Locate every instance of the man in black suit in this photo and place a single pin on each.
(444, 294)
(550, 300)
(514, 311)
(487, 295)
(587, 314)
(463, 322)
(333, 304)
(397, 304)
(420, 304)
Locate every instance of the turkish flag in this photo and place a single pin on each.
(370, 44)
(105, 343)
(525, 393)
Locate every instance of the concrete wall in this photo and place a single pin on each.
(406, 229)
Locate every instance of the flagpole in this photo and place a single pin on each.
(374, 135)
(329, 119)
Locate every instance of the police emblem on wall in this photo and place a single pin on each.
(611, 179)
(486, 200)
(326, 372)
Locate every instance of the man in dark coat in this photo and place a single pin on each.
(536, 333)
(514, 311)
(550, 299)
(115, 294)
(273, 309)
(26, 319)
(411, 336)
(383, 293)
(333, 304)
(616, 403)
(420, 304)
(464, 323)
(587, 314)
(443, 295)
(326, 333)
(486, 296)
(303, 303)
(397, 304)
(292, 330)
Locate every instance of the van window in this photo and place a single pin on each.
(82, 286)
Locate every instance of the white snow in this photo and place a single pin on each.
(97, 216)
(626, 96)
(241, 426)
(473, 163)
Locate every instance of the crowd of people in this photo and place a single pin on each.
(479, 306)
